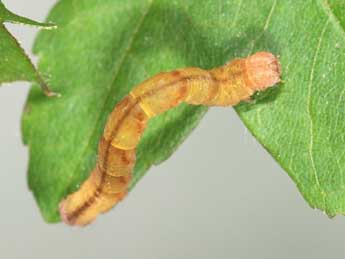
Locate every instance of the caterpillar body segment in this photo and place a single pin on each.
(222, 86)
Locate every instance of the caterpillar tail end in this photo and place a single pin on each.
(83, 206)
(66, 209)
(64, 214)
(263, 70)
(67, 217)
(68, 212)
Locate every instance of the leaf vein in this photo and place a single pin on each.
(237, 14)
(269, 17)
(309, 111)
(267, 22)
(329, 13)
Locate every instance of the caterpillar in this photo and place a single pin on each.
(222, 86)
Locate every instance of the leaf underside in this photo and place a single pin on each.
(104, 48)
(15, 65)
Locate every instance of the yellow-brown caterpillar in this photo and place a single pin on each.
(222, 86)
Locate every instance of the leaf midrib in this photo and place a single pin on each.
(112, 81)
(311, 120)
(332, 17)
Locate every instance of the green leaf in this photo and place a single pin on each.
(14, 63)
(303, 128)
(104, 48)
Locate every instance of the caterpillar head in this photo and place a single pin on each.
(263, 70)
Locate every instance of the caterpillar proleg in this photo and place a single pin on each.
(222, 86)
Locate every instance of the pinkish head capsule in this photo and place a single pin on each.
(263, 70)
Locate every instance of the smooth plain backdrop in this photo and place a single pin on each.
(220, 195)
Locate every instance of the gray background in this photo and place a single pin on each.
(220, 195)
